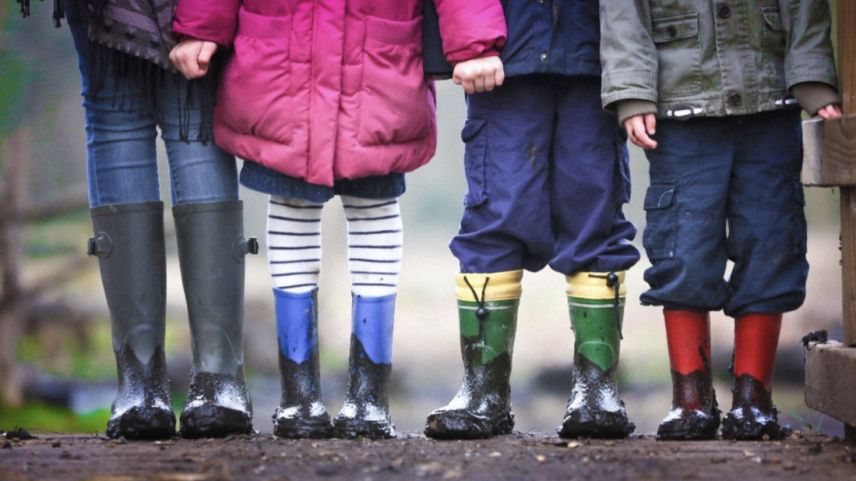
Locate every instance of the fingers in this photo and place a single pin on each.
(831, 111)
(205, 53)
(191, 57)
(651, 124)
(479, 75)
(637, 131)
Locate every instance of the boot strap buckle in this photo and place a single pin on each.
(100, 245)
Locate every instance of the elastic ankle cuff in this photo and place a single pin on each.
(593, 285)
(497, 286)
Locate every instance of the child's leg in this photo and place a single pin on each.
(767, 240)
(506, 227)
(294, 256)
(374, 256)
(685, 241)
(695, 414)
(589, 183)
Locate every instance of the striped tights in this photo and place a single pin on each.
(374, 244)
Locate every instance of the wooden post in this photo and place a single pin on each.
(847, 72)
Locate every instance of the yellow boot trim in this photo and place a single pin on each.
(501, 286)
(592, 285)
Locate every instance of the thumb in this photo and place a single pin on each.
(205, 53)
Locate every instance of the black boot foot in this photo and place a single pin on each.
(753, 415)
(689, 425)
(301, 427)
(218, 405)
(748, 423)
(464, 424)
(352, 427)
(586, 423)
(140, 422)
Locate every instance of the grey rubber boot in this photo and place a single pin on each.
(129, 242)
(211, 248)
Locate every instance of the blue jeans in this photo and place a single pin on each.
(727, 189)
(121, 130)
(547, 176)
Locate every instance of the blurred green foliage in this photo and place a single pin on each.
(41, 418)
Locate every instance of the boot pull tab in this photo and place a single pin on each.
(100, 245)
(243, 246)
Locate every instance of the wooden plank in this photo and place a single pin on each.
(829, 388)
(847, 87)
(829, 152)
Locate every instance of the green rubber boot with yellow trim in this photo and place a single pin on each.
(596, 302)
(487, 309)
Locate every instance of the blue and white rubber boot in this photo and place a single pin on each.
(366, 409)
(301, 413)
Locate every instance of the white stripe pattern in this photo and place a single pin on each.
(294, 243)
(375, 241)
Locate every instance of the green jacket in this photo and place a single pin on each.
(714, 58)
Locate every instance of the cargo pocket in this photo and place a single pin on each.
(475, 161)
(679, 55)
(622, 184)
(255, 91)
(772, 50)
(661, 232)
(800, 227)
(396, 104)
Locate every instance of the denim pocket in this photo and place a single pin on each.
(661, 232)
(475, 161)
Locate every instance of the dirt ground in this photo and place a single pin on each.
(517, 457)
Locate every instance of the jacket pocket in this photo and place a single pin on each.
(396, 105)
(679, 55)
(474, 136)
(255, 91)
(661, 231)
(772, 50)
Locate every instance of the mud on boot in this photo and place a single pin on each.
(482, 408)
(594, 409)
(596, 305)
(695, 413)
(129, 243)
(211, 252)
(217, 405)
(142, 408)
(301, 412)
(753, 415)
(365, 413)
(487, 313)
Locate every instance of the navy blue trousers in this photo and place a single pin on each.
(727, 189)
(547, 173)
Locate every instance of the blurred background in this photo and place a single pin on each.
(57, 371)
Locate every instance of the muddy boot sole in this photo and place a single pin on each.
(750, 429)
(349, 428)
(211, 421)
(461, 424)
(142, 423)
(318, 427)
(603, 425)
(689, 427)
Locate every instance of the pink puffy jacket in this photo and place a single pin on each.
(333, 89)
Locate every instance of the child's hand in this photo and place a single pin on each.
(640, 128)
(479, 74)
(831, 111)
(191, 57)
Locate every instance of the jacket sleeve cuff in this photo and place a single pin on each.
(813, 96)
(629, 108)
